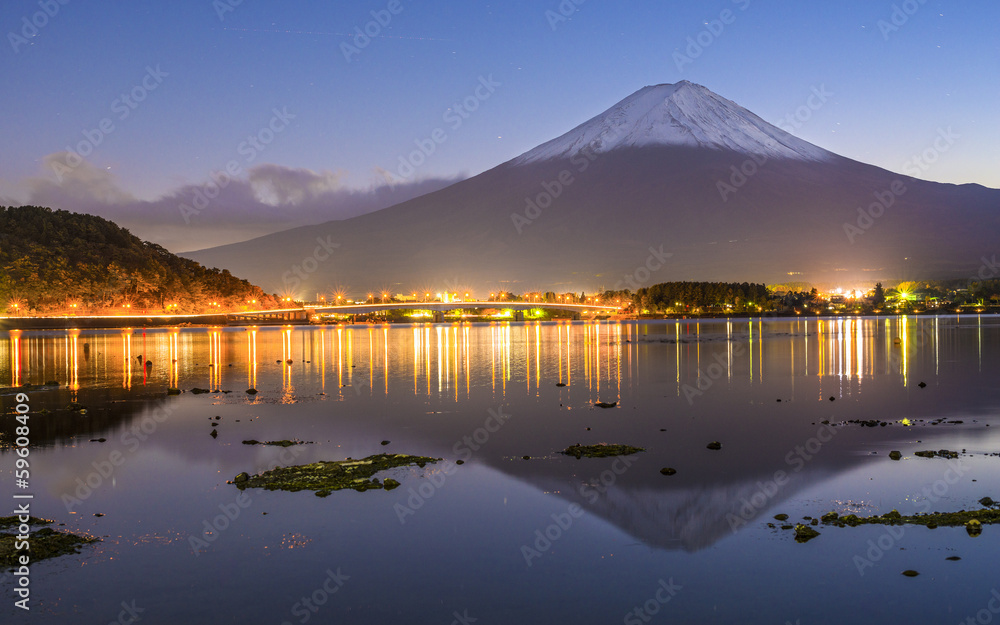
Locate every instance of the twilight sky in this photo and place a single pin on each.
(314, 121)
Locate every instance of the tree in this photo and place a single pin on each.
(878, 299)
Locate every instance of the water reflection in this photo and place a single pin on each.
(450, 360)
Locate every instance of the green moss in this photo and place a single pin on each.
(284, 443)
(43, 544)
(600, 451)
(804, 533)
(326, 477)
(936, 519)
(12, 521)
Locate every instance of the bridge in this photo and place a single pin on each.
(282, 316)
(292, 315)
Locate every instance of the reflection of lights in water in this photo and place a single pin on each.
(252, 358)
(15, 357)
(127, 359)
(850, 351)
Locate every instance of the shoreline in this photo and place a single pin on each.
(206, 321)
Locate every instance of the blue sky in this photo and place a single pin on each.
(223, 70)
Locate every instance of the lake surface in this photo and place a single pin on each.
(503, 539)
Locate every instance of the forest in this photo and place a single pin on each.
(59, 262)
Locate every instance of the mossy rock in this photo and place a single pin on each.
(326, 477)
(600, 451)
(895, 455)
(44, 543)
(282, 443)
(781, 517)
(804, 533)
(974, 527)
(966, 518)
(7, 522)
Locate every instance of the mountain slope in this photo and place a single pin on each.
(674, 183)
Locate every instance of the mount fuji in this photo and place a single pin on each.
(683, 114)
(672, 183)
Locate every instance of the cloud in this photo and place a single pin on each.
(269, 198)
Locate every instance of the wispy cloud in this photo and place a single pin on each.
(269, 198)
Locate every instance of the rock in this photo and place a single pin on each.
(974, 527)
(242, 477)
(668, 471)
(895, 455)
(804, 533)
(714, 446)
(173, 391)
(251, 391)
(560, 384)
(830, 517)
(460, 462)
(910, 573)
(98, 440)
(602, 404)
(326, 477)
(389, 483)
(922, 385)
(525, 457)
(599, 451)
(953, 558)
(781, 517)
(200, 391)
(98, 514)
(986, 502)
(384, 443)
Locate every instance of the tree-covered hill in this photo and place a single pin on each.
(55, 261)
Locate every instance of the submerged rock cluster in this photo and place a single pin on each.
(326, 477)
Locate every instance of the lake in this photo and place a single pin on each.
(518, 533)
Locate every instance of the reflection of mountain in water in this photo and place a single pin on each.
(689, 518)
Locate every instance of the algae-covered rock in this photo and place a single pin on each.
(967, 518)
(43, 543)
(600, 451)
(941, 453)
(804, 533)
(281, 443)
(974, 527)
(326, 477)
(895, 455)
(986, 502)
(781, 517)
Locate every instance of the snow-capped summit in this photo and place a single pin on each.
(681, 114)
